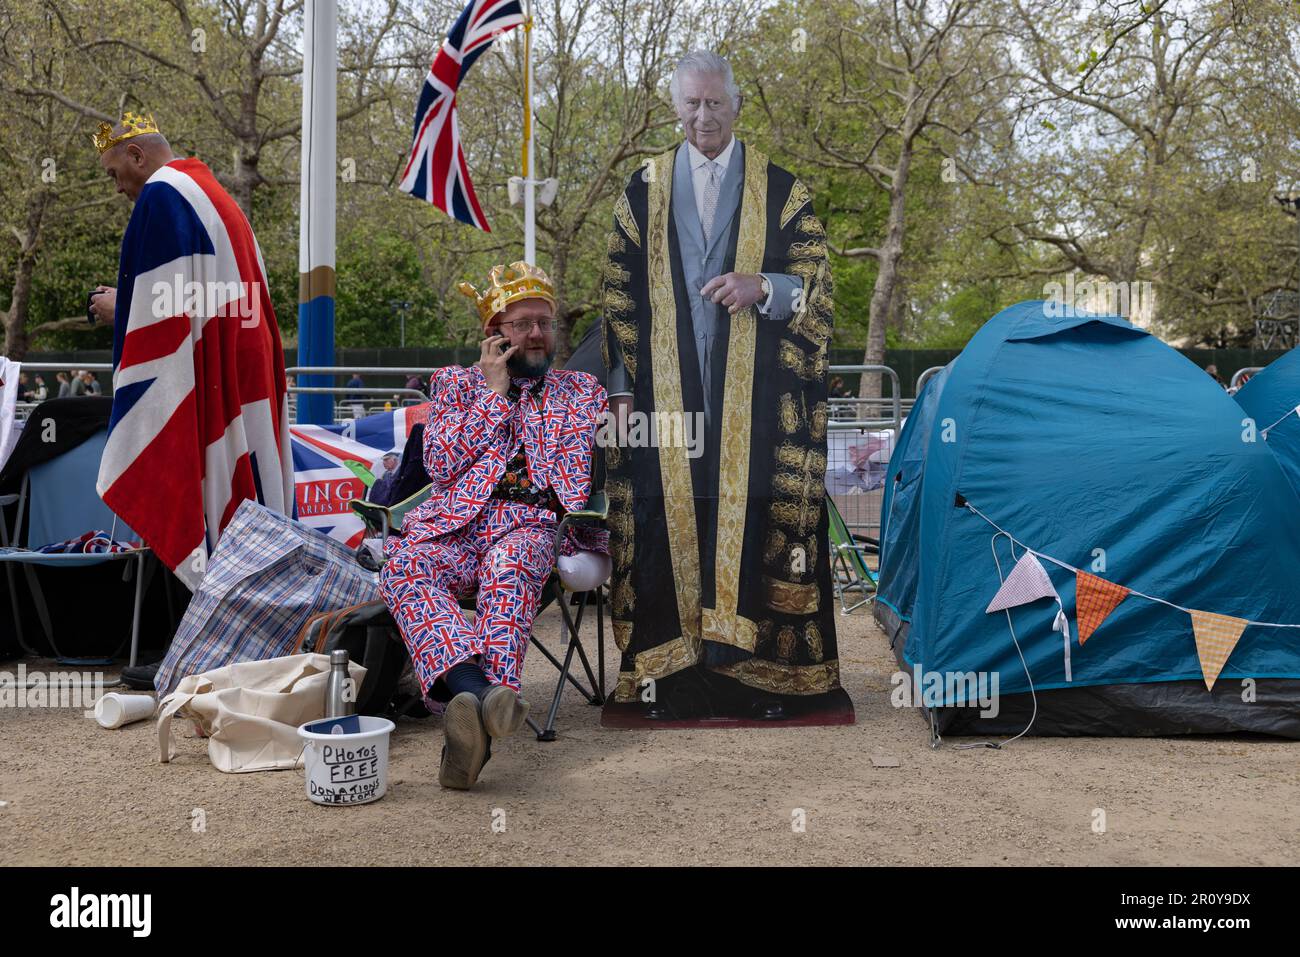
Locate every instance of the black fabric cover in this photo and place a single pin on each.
(74, 420)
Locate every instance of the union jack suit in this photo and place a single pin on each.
(462, 539)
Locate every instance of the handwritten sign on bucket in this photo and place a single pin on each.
(347, 768)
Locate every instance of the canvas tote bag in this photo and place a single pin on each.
(250, 711)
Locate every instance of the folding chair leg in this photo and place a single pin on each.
(135, 614)
(600, 637)
(18, 618)
(570, 636)
(42, 611)
(532, 639)
(573, 633)
(548, 733)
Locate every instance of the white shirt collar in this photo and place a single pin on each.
(698, 159)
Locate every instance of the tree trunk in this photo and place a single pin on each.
(15, 320)
(246, 177)
(882, 295)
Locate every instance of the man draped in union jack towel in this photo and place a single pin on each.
(508, 447)
(200, 417)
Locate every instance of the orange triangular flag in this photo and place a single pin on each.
(1094, 599)
(1216, 636)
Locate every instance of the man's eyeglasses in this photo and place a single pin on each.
(522, 327)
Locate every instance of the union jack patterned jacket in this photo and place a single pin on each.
(473, 432)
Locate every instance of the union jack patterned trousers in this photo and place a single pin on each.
(506, 553)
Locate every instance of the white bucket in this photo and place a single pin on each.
(346, 759)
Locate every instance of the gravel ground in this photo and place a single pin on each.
(73, 793)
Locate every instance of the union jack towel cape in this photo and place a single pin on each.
(200, 417)
(436, 171)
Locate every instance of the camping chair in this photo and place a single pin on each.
(849, 562)
(59, 501)
(381, 520)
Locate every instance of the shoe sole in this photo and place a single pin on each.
(503, 712)
(465, 743)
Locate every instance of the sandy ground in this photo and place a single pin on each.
(73, 793)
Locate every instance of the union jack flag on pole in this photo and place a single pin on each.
(436, 171)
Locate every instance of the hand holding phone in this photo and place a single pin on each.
(495, 353)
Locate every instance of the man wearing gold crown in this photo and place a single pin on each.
(198, 367)
(508, 446)
(717, 296)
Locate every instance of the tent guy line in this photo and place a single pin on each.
(1289, 412)
(1132, 591)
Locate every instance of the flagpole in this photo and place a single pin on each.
(530, 199)
(316, 206)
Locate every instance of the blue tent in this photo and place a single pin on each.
(1270, 399)
(1092, 442)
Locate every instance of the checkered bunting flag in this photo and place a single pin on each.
(1216, 636)
(1094, 600)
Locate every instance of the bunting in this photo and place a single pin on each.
(1094, 599)
(1216, 636)
(1028, 582)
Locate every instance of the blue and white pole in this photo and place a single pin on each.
(316, 207)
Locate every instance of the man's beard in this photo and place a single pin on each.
(521, 367)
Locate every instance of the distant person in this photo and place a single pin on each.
(416, 383)
(1213, 372)
(65, 387)
(92, 384)
(24, 389)
(39, 392)
(78, 386)
(357, 399)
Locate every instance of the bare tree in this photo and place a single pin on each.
(895, 79)
(230, 54)
(45, 151)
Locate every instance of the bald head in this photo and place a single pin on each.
(130, 163)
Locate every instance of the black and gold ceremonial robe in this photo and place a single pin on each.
(721, 560)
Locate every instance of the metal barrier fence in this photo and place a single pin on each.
(344, 407)
(861, 432)
(23, 409)
(1240, 375)
(860, 439)
(926, 376)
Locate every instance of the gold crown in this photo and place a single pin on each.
(137, 124)
(507, 284)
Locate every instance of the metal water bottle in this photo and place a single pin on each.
(338, 702)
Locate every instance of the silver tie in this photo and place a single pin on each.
(710, 200)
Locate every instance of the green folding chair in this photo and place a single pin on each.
(383, 520)
(848, 562)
